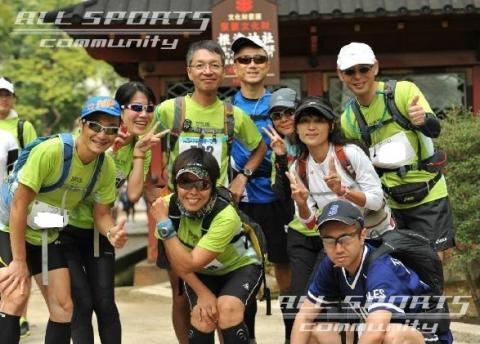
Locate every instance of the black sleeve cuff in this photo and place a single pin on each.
(432, 127)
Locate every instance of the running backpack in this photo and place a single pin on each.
(6, 191)
(180, 124)
(417, 253)
(252, 233)
(432, 164)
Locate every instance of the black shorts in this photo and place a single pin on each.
(56, 260)
(242, 283)
(273, 218)
(83, 240)
(433, 220)
(305, 254)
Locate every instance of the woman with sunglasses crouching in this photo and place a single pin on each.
(91, 257)
(220, 269)
(42, 201)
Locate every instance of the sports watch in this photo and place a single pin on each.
(166, 230)
(247, 172)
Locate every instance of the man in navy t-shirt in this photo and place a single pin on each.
(381, 296)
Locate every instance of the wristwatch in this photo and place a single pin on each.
(166, 230)
(247, 172)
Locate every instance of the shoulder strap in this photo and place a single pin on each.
(362, 123)
(174, 212)
(178, 120)
(68, 143)
(342, 157)
(301, 168)
(229, 123)
(96, 172)
(224, 198)
(21, 140)
(389, 94)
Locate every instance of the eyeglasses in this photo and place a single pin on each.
(199, 184)
(364, 69)
(214, 67)
(276, 115)
(97, 127)
(139, 107)
(257, 59)
(343, 240)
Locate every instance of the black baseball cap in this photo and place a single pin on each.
(316, 105)
(340, 211)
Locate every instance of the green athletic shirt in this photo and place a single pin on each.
(295, 224)
(405, 91)
(10, 125)
(212, 116)
(227, 224)
(44, 167)
(82, 215)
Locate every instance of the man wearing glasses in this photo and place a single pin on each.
(204, 124)
(397, 124)
(379, 293)
(259, 201)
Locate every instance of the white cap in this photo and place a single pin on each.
(6, 85)
(240, 42)
(354, 54)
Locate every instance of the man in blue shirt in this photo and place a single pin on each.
(259, 201)
(378, 294)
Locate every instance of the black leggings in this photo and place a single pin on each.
(92, 282)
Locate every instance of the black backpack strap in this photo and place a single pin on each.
(21, 140)
(389, 97)
(256, 118)
(362, 123)
(96, 172)
(224, 198)
(178, 120)
(174, 212)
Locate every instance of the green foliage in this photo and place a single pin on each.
(51, 83)
(460, 139)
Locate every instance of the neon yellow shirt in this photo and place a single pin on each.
(404, 93)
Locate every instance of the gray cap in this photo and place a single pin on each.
(340, 211)
(284, 97)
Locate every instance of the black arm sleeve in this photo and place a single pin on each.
(281, 184)
(432, 127)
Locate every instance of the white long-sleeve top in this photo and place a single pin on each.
(366, 180)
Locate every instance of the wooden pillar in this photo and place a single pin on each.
(476, 90)
(314, 83)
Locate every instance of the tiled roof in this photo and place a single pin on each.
(308, 9)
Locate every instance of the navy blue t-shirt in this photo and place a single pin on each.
(387, 285)
(259, 188)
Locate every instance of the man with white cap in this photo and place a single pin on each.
(251, 66)
(16, 134)
(396, 122)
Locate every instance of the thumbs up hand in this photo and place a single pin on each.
(416, 112)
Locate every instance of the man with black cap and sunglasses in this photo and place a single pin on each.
(251, 57)
(396, 122)
(377, 297)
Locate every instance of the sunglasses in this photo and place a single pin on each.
(139, 107)
(199, 184)
(276, 115)
(362, 70)
(257, 59)
(97, 127)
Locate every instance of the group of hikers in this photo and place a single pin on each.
(326, 190)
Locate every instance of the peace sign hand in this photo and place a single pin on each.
(333, 179)
(276, 142)
(148, 140)
(299, 190)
